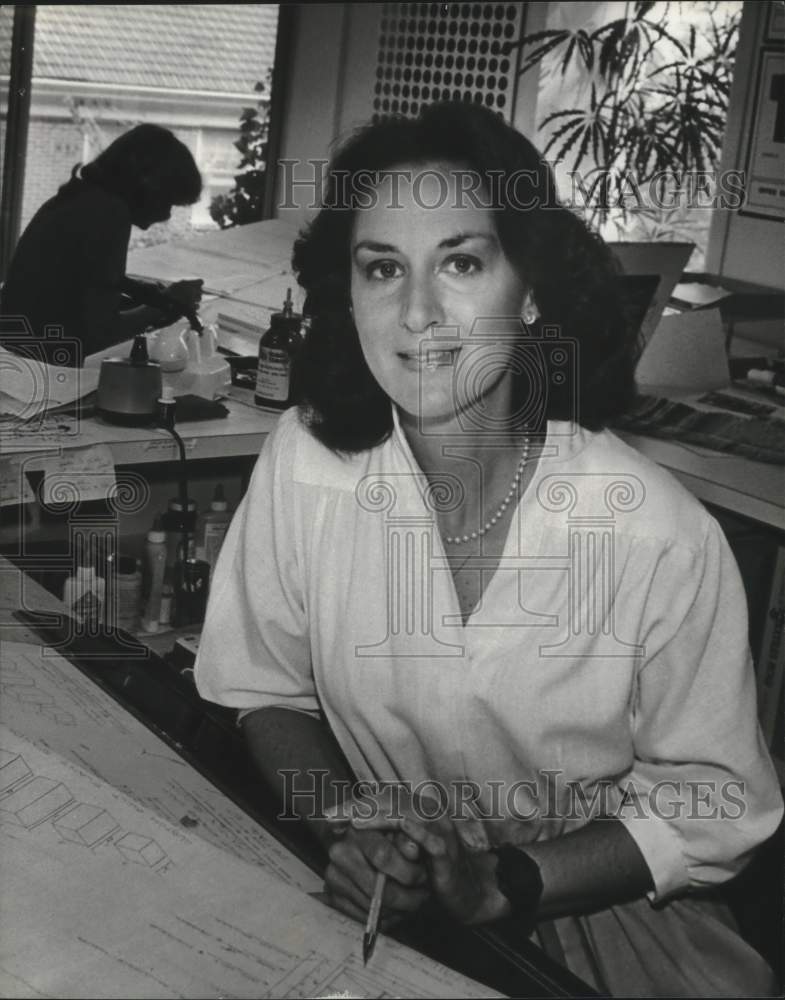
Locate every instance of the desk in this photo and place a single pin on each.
(143, 470)
(140, 876)
(240, 434)
(751, 489)
(248, 265)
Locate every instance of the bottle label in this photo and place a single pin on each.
(165, 614)
(213, 539)
(87, 608)
(272, 376)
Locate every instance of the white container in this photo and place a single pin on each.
(216, 523)
(156, 567)
(168, 347)
(84, 594)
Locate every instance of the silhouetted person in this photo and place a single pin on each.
(68, 269)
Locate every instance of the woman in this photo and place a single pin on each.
(447, 577)
(68, 269)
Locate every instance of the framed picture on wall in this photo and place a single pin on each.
(765, 160)
(775, 28)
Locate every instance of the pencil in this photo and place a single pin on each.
(372, 923)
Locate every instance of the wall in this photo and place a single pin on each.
(330, 89)
(313, 101)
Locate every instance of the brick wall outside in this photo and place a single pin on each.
(54, 146)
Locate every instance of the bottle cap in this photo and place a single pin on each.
(157, 533)
(176, 504)
(126, 566)
(287, 318)
(139, 355)
(219, 502)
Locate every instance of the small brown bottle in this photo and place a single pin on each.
(276, 353)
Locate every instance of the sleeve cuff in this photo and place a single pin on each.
(313, 712)
(660, 845)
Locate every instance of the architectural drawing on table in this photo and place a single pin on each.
(28, 800)
(29, 695)
(318, 976)
(140, 849)
(86, 824)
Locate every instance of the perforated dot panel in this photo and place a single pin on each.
(446, 52)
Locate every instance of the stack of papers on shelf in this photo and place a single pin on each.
(730, 421)
(697, 295)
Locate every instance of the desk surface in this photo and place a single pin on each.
(241, 433)
(752, 489)
(134, 875)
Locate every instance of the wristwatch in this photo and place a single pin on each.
(520, 882)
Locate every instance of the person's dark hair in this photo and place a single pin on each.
(146, 164)
(572, 274)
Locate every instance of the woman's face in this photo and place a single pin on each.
(151, 206)
(424, 272)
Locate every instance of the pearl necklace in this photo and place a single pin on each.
(461, 539)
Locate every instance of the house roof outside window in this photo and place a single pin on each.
(220, 48)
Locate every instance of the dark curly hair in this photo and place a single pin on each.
(148, 164)
(571, 272)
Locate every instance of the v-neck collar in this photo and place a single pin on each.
(454, 618)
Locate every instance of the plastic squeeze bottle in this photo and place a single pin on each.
(156, 566)
(216, 522)
(84, 593)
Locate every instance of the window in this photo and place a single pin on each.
(98, 70)
(662, 90)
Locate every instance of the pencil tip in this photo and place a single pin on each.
(369, 940)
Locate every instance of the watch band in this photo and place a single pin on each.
(520, 882)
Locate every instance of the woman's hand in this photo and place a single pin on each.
(186, 293)
(181, 298)
(356, 856)
(463, 881)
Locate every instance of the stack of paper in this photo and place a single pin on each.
(31, 387)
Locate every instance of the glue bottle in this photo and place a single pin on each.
(84, 593)
(208, 373)
(156, 566)
(277, 349)
(191, 586)
(216, 523)
(180, 527)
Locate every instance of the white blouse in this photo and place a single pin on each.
(607, 662)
